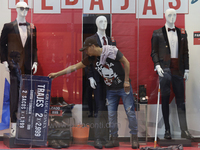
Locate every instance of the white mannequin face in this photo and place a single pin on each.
(170, 16)
(22, 9)
(101, 23)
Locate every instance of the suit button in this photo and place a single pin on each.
(166, 46)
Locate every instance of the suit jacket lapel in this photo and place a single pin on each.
(179, 38)
(109, 40)
(28, 33)
(15, 26)
(98, 40)
(166, 38)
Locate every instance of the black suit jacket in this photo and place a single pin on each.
(11, 41)
(91, 72)
(161, 53)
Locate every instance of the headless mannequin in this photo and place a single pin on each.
(21, 18)
(170, 16)
(101, 23)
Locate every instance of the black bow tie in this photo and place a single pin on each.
(22, 24)
(173, 29)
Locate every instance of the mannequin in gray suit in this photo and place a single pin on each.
(171, 60)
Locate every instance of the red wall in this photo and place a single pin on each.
(59, 38)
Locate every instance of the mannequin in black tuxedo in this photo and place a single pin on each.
(19, 36)
(16, 36)
(98, 85)
(171, 60)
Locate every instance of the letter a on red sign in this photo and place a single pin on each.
(100, 3)
(152, 7)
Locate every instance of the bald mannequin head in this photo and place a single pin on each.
(22, 10)
(170, 16)
(101, 23)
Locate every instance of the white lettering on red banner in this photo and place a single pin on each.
(142, 8)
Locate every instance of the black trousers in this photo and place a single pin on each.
(179, 91)
(101, 121)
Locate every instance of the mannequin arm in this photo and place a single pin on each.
(92, 82)
(186, 75)
(159, 71)
(34, 67)
(6, 65)
(67, 70)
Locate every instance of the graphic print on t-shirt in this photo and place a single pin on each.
(106, 71)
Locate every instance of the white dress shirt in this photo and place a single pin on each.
(101, 38)
(173, 42)
(23, 32)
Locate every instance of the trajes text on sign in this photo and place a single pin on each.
(146, 8)
(40, 96)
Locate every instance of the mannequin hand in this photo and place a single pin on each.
(6, 65)
(92, 82)
(159, 71)
(186, 75)
(34, 67)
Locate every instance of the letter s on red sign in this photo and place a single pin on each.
(178, 4)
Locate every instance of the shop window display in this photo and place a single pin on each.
(136, 25)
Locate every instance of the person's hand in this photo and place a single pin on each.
(159, 71)
(186, 75)
(34, 67)
(6, 65)
(52, 75)
(92, 82)
(126, 87)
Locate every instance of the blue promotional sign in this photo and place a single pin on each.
(33, 110)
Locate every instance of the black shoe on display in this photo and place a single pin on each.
(55, 144)
(98, 144)
(90, 115)
(112, 143)
(167, 135)
(95, 115)
(63, 144)
(186, 134)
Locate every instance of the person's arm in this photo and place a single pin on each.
(67, 70)
(126, 64)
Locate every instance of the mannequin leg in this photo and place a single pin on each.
(165, 95)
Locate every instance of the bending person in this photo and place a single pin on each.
(118, 85)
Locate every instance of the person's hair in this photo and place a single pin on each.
(14, 54)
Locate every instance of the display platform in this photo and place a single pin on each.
(176, 140)
(9, 141)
